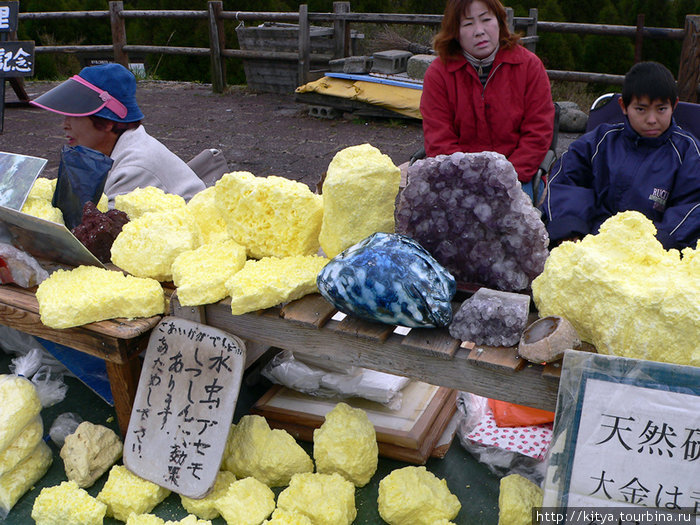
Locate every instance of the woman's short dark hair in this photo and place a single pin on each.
(117, 127)
(649, 79)
(446, 42)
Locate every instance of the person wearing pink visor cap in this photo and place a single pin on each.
(101, 113)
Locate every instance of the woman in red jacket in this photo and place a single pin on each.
(486, 92)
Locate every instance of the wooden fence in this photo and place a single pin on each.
(341, 19)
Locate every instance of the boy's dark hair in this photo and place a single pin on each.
(649, 79)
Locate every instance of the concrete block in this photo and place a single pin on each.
(323, 112)
(391, 61)
(356, 65)
(418, 65)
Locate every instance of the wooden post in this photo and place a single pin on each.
(689, 68)
(118, 32)
(510, 19)
(532, 29)
(639, 38)
(217, 42)
(304, 44)
(340, 33)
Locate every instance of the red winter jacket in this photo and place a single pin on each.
(513, 114)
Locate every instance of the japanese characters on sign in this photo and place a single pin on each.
(184, 405)
(9, 14)
(17, 58)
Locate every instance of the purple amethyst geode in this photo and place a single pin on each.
(470, 212)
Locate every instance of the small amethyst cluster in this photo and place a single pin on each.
(469, 211)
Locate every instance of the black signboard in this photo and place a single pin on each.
(9, 12)
(16, 58)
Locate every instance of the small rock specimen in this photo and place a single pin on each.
(469, 211)
(98, 230)
(492, 318)
(546, 339)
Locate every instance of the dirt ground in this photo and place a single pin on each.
(264, 133)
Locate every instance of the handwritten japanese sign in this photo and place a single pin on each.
(9, 15)
(630, 436)
(184, 405)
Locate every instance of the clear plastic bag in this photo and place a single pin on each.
(15, 342)
(64, 425)
(49, 385)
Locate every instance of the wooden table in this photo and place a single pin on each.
(118, 341)
(430, 355)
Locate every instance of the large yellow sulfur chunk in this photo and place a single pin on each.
(326, 499)
(87, 294)
(271, 456)
(147, 246)
(624, 293)
(42, 209)
(145, 200)
(20, 405)
(282, 517)
(414, 496)
(346, 443)
(271, 281)
(67, 504)
(201, 274)
(205, 507)
(23, 445)
(152, 519)
(270, 216)
(359, 193)
(125, 493)
(516, 498)
(43, 188)
(211, 223)
(89, 452)
(246, 502)
(14, 484)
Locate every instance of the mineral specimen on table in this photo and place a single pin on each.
(270, 216)
(22, 446)
(42, 209)
(326, 499)
(517, 496)
(200, 275)
(271, 281)
(152, 519)
(624, 293)
(546, 339)
(282, 517)
(205, 507)
(491, 317)
(67, 504)
(469, 211)
(15, 483)
(271, 456)
(20, 405)
(246, 502)
(19, 267)
(97, 230)
(391, 279)
(148, 245)
(415, 496)
(346, 443)
(145, 200)
(87, 294)
(125, 493)
(211, 223)
(43, 188)
(89, 452)
(359, 193)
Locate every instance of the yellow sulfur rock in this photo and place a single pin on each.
(20, 404)
(346, 443)
(624, 293)
(201, 275)
(516, 498)
(87, 294)
(205, 507)
(22, 445)
(67, 504)
(282, 517)
(270, 216)
(152, 519)
(326, 499)
(148, 245)
(89, 452)
(145, 200)
(359, 192)
(189, 520)
(271, 456)
(246, 502)
(103, 203)
(211, 223)
(14, 484)
(42, 209)
(125, 493)
(43, 188)
(414, 496)
(271, 281)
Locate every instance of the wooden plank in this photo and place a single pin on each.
(124, 380)
(355, 327)
(436, 342)
(552, 370)
(311, 310)
(498, 357)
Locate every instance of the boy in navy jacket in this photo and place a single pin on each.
(647, 163)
